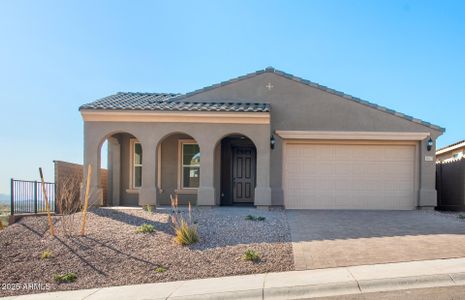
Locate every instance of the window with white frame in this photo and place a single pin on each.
(136, 168)
(189, 165)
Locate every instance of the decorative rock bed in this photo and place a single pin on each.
(112, 253)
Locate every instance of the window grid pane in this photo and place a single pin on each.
(137, 176)
(191, 177)
(137, 165)
(190, 165)
(137, 154)
(191, 155)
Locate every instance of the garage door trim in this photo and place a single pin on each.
(416, 163)
(353, 135)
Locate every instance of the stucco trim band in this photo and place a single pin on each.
(177, 117)
(352, 135)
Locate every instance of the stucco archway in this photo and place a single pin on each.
(120, 178)
(178, 168)
(235, 170)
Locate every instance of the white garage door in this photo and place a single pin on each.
(342, 176)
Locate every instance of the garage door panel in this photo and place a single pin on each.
(344, 176)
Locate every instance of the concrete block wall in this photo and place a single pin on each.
(64, 169)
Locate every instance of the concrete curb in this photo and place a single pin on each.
(379, 285)
(286, 285)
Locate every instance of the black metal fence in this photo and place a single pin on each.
(27, 197)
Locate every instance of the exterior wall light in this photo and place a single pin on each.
(429, 144)
(272, 142)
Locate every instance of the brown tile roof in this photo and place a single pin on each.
(166, 102)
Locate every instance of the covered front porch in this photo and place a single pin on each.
(207, 159)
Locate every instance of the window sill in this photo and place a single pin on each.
(132, 191)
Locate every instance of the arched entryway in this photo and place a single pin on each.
(120, 162)
(237, 161)
(178, 168)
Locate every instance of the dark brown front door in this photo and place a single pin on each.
(243, 179)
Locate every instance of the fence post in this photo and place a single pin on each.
(12, 204)
(55, 196)
(35, 197)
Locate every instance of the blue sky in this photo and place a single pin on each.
(57, 55)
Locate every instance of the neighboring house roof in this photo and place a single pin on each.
(154, 101)
(451, 147)
(166, 102)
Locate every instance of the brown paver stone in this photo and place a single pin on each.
(324, 239)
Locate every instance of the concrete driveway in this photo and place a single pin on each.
(323, 239)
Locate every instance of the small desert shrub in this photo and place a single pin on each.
(186, 234)
(254, 218)
(46, 254)
(249, 217)
(65, 278)
(461, 216)
(251, 255)
(161, 269)
(68, 203)
(186, 230)
(145, 228)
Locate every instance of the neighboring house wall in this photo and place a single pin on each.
(296, 106)
(66, 169)
(451, 155)
(451, 185)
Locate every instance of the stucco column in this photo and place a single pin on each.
(114, 171)
(148, 192)
(262, 189)
(206, 191)
(427, 192)
(92, 158)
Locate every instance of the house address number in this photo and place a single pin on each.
(428, 158)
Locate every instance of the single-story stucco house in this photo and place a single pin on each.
(266, 139)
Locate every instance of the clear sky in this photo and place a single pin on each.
(57, 55)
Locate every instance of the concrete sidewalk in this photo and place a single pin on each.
(287, 285)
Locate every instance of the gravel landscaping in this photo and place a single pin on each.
(112, 253)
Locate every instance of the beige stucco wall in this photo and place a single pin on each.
(170, 170)
(127, 196)
(151, 134)
(168, 184)
(296, 106)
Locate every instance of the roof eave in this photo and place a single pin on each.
(450, 148)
